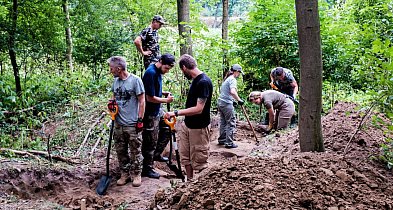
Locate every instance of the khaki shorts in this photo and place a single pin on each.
(194, 146)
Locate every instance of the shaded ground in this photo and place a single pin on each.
(271, 175)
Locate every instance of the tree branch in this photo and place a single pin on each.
(88, 133)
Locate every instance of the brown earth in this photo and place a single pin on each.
(271, 175)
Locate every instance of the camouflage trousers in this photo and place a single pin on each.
(128, 145)
(147, 60)
(150, 136)
(164, 136)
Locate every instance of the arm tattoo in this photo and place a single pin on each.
(202, 101)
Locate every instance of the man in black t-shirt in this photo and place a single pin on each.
(194, 137)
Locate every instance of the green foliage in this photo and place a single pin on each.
(268, 39)
(387, 153)
(43, 93)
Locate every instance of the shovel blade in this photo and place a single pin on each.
(178, 172)
(103, 185)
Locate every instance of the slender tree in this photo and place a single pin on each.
(11, 45)
(68, 35)
(310, 129)
(183, 14)
(225, 19)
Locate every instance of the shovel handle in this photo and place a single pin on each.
(171, 124)
(113, 112)
(248, 120)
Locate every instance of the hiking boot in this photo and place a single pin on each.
(137, 181)
(150, 173)
(230, 146)
(160, 158)
(221, 142)
(125, 177)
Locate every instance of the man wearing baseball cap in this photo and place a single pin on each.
(147, 41)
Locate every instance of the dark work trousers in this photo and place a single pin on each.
(164, 136)
(150, 136)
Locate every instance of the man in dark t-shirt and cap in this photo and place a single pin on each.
(194, 136)
(147, 41)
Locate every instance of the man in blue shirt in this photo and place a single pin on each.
(152, 80)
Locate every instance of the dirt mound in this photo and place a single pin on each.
(310, 181)
(280, 176)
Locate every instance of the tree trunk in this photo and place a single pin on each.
(183, 14)
(310, 128)
(225, 19)
(68, 35)
(11, 46)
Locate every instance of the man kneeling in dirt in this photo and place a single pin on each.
(129, 93)
(279, 106)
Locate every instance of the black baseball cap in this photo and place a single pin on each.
(168, 59)
(159, 19)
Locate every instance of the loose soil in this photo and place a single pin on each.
(270, 175)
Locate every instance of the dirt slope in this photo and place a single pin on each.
(277, 176)
(272, 175)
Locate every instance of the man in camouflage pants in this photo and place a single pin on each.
(147, 41)
(129, 93)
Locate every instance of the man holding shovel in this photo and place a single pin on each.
(194, 136)
(152, 80)
(129, 93)
(229, 96)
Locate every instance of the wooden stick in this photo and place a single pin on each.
(35, 152)
(48, 148)
(358, 128)
(24, 110)
(95, 145)
(83, 204)
(248, 120)
(88, 133)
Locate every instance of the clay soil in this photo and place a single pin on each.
(272, 174)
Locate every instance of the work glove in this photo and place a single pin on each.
(111, 105)
(240, 102)
(273, 86)
(266, 128)
(139, 125)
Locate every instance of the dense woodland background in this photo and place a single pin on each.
(53, 57)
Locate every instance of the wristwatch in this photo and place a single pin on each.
(176, 113)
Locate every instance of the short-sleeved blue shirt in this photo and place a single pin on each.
(152, 80)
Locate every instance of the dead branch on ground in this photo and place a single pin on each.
(32, 153)
(359, 127)
(88, 133)
(24, 110)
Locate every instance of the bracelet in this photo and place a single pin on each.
(140, 119)
(176, 113)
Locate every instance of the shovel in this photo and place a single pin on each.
(106, 180)
(173, 167)
(248, 120)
